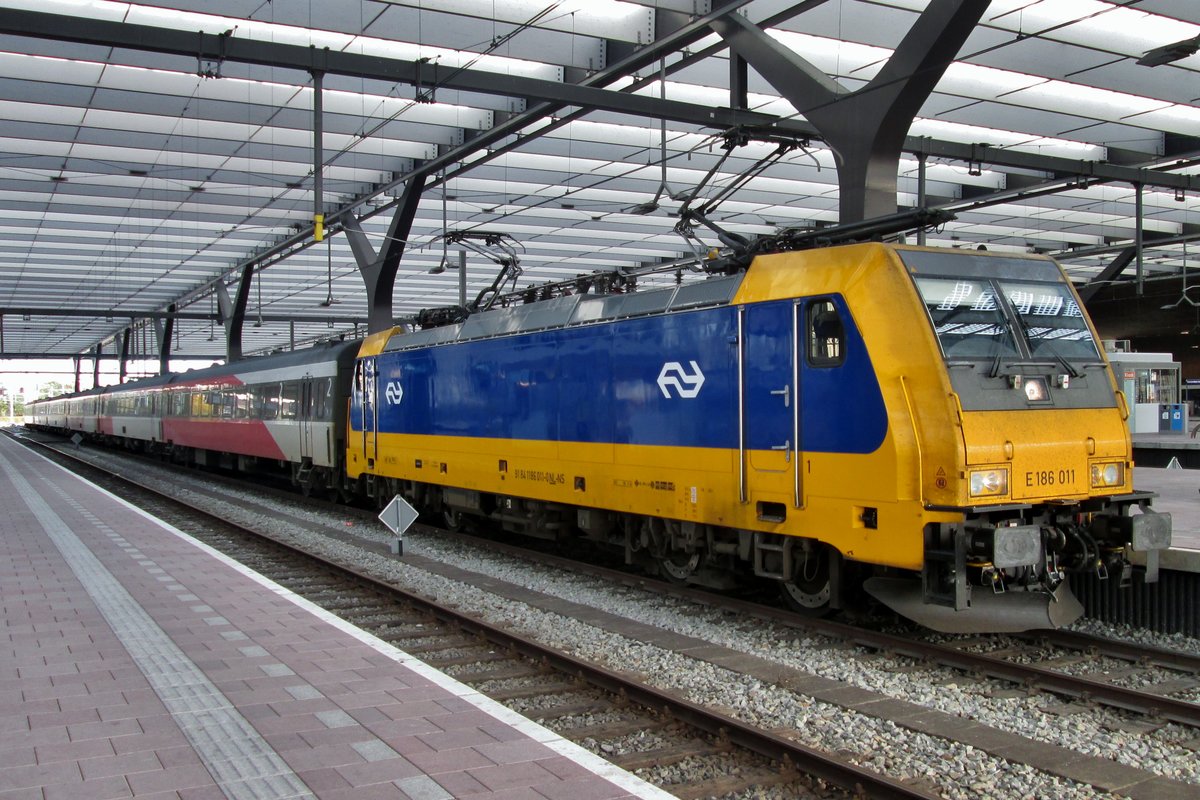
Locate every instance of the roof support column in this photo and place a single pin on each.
(96, 364)
(378, 270)
(232, 313)
(866, 128)
(123, 368)
(76, 360)
(163, 329)
(318, 155)
(921, 158)
(738, 95)
(1138, 240)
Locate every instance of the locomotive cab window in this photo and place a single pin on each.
(826, 334)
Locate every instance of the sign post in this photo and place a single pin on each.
(398, 516)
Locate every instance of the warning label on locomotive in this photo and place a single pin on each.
(661, 486)
(538, 476)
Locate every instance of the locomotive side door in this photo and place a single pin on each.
(770, 420)
(370, 411)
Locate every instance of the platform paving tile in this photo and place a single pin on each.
(501, 732)
(368, 716)
(75, 751)
(508, 776)
(31, 775)
(18, 757)
(437, 762)
(136, 743)
(26, 794)
(198, 793)
(390, 730)
(426, 709)
(100, 701)
(378, 791)
(329, 736)
(460, 737)
(112, 788)
(422, 787)
(323, 779)
(513, 752)
(171, 779)
(578, 790)
(128, 764)
(25, 738)
(374, 772)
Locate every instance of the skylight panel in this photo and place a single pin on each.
(47, 69)
(609, 19)
(258, 31)
(1104, 26)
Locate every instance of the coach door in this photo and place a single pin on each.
(770, 426)
(305, 417)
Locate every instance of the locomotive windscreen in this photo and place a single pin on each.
(980, 318)
(989, 306)
(1015, 325)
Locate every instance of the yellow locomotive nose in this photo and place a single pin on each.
(1044, 453)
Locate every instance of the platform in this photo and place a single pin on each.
(1179, 493)
(141, 663)
(1157, 450)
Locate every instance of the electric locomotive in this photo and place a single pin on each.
(937, 426)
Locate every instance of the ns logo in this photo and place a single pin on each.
(674, 376)
(394, 393)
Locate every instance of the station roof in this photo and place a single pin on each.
(134, 177)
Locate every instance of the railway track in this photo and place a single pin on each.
(633, 724)
(960, 654)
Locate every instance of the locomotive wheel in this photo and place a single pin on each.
(809, 590)
(678, 567)
(454, 520)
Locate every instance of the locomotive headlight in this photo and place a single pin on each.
(1107, 473)
(1035, 390)
(989, 482)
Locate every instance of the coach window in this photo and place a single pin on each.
(242, 399)
(267, 400)
(826, 335)
(290, 401)
(325, 398)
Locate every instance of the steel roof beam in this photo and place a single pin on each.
(200, 316)
(1107, 275)
(866, 128)
(378, 269)
(221, 47)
